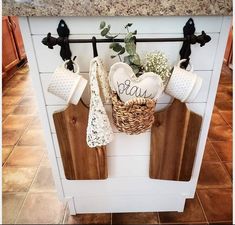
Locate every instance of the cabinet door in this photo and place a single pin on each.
(18, 37)
(9, 51)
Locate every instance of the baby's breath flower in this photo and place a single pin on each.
(157, 62)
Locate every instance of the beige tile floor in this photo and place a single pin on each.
(29, 195)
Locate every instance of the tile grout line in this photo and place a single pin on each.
(21, 97)
(27, 193)
(17, 142)
(9, 113)
(219, 111)
(24, 130)
(13, 146)
(226, 171)
(224, 118)
(222, 162)
(203, 210)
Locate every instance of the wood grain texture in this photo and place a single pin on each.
(9, 51)
(17, 36)
(174, 138)
(80, 162)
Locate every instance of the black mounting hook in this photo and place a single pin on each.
(185, 51)
(94, 46)
(62, 41)
(63, 32)
(191, 38)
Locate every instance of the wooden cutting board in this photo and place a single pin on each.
(174, 138)
(80, 161)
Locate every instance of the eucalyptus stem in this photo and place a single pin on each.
(129, 47)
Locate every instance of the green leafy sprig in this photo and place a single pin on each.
(132, 58)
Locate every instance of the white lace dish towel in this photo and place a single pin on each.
(99, 131)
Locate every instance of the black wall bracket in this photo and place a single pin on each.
(65, 52)
(189, 30)
(188, 39)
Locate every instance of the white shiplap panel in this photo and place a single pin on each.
(202, 58)
(128, 166)
(121, 166)
(48, 59)
(127, 145)
(153, 24)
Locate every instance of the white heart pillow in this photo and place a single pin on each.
(123, 81)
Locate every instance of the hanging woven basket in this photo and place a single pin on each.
(134, 116)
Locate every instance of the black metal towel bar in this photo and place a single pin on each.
(192, 39)
(188, 39)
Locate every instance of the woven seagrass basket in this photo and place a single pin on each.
(134, 116)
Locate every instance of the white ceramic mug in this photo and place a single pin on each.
(67, 85)
(183, 85)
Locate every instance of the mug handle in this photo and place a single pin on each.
(76, 66)
(183, 60)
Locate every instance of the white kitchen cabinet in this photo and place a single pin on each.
(128, 187)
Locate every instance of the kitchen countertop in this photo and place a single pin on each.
(116, 7)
